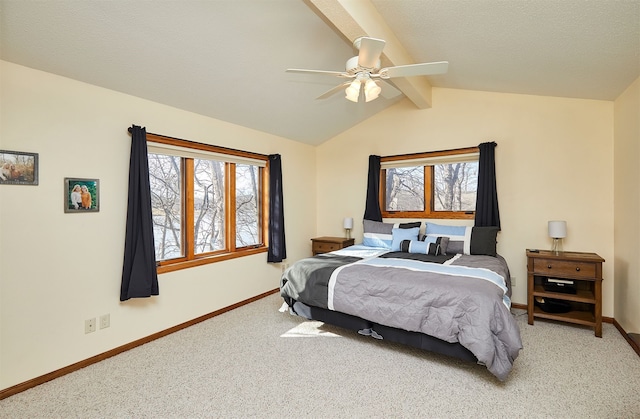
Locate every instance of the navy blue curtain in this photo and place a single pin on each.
(277, 246)
(139, 276)
(487, 213)
(372, 207)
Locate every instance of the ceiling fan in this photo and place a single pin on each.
(365, 73)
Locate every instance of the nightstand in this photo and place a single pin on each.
(548, 272)
(329, 244)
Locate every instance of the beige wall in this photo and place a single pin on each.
(627, 208)
(554, 160)
(57, 269)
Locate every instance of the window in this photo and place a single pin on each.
(208, 203)
(440, 184)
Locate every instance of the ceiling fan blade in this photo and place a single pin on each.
(389, 91)
(424, 69)
(370, 50)
(334, 90)
(329, 73)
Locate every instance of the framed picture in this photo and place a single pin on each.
(18, 168)
(81, 195)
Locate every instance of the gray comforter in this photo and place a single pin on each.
(464, 299)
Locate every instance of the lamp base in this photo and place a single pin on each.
(348, 232)
(557, 246)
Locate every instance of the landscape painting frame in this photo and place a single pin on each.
(81, 195)
(18, 168)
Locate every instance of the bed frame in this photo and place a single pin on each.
(413, 339)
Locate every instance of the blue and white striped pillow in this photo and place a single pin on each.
(436, 247)
(459, 236)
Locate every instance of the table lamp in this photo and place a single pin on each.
(348, 225)
(557, 231)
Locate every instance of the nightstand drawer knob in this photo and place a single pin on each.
(549, 266)
(578, 269)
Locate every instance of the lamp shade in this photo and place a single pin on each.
(353, 91)
(348, 223)
(371, 90)
(557, 229)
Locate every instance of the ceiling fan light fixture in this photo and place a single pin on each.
(353, 91)
(371, 90)
(366, 65)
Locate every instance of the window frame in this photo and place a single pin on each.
(190, 258)
(423, 159)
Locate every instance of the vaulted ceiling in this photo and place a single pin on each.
(227, 58)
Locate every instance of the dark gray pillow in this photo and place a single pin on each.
(412, 224)
(484, 240)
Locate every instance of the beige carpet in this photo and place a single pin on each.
(257, 362)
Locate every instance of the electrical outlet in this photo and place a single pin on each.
(513, 281)
(105, 321)
(285, 266)
(90, 325)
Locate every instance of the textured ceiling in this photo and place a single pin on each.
(226, 58)
(580, 49)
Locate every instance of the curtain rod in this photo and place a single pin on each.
(231, 150)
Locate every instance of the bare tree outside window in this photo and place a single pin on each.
(247, 206)
(405, 189)
(208, 205)
(436, 184)
(166, 205)
(207, 202)
(455, 186)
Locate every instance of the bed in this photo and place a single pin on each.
(442, 289)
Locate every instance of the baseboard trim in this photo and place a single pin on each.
(519, 306)
(633, 339)
(18, 388)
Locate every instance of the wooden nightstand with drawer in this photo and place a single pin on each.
(329, 244)
(580, 273)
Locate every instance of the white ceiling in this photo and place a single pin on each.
(227, 58)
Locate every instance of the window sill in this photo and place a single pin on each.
(170, 267)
